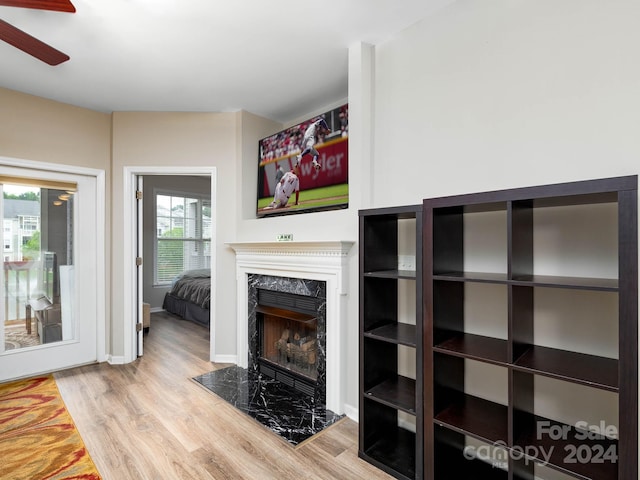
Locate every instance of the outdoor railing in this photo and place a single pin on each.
(20, 277)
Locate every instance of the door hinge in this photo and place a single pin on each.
(138, 195)
(138, 261)
(138, 327)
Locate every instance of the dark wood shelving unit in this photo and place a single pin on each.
(451, 413)
(386, 438)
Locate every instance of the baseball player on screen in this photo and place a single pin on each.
(288, 184)
(309, 140)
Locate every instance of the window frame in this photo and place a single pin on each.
(200, 241)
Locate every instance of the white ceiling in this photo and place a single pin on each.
(280, 59)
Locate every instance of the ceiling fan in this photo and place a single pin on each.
(25, 42)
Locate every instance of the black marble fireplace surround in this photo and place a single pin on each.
(301, 287)
(285, 410)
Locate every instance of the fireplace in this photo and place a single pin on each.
(311, 271)
(288, 339)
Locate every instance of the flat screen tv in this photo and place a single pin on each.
(310, 159)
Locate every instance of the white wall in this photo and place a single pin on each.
(495, 94)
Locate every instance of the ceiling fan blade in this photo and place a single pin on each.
(55, 5)
(31, 45)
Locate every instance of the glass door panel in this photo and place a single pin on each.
(38, 263)
(53, 268)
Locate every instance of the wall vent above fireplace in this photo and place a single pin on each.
(289, 301)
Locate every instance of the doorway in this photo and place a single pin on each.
(136, 275)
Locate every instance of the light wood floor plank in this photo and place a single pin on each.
(149, 421)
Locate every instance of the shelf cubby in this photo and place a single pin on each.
(459, 459)
(385, 443)
(476, 417)
(467, 411)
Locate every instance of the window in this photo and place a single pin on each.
(183, 235)
(29, 222)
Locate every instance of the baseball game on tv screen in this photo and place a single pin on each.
(304, 168)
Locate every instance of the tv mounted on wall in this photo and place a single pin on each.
(321, 186)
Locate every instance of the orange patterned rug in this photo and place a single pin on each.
(38, 438)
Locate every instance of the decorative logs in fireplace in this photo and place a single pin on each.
(288, 341)
(301, 350)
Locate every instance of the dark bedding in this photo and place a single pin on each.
(193, 286)
(190, 296)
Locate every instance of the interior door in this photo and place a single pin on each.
(50, 255)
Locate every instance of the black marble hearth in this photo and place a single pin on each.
(285, 410)
(282, 409)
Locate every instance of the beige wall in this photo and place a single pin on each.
(33, 128)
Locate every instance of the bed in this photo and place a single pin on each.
(190, 296)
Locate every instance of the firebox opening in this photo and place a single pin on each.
(287, 347)
(289, 341)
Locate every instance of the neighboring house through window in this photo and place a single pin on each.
(21, 222)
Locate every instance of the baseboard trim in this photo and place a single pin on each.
(351, 412)
(116, 360)
(225, 359)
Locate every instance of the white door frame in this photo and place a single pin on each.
(139, 253)
(99, 175)
(129, 289)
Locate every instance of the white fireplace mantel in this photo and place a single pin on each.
(314, 260)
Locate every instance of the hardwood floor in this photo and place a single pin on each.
(149, 420)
